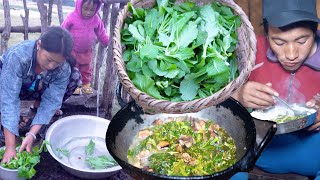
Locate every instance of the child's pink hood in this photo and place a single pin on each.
(84, 31)
(78, 8)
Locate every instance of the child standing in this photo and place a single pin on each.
(85, 25)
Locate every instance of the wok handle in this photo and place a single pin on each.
(121, 102)
(265, 130)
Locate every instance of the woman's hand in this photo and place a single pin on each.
(9, 153)
(315, 104)
(30, 138)
(27, 144)
(10, 142)
(256, 95)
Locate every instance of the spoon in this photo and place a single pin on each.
(283, 102)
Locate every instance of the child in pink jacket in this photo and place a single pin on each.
(85, 26)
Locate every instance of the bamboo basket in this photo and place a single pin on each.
(245, 51)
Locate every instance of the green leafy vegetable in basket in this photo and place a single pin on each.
(25, 162)
(181, 52)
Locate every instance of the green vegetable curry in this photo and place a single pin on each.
(183, 147)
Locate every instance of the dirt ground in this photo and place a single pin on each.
(49, 168)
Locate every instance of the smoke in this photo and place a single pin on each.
(291, 91)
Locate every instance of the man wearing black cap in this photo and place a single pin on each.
(289, 60)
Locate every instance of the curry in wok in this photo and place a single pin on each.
(183, 146)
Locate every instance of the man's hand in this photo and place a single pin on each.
(315, 104)
(256, 95)
(9, 154)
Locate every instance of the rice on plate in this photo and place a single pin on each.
(281, 114)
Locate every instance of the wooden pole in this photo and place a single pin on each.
(25, 20)
(111, 78)
(43, 15)
(7, 27)
(100, 54)
(50, 12)
(60, 11)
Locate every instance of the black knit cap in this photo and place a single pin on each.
(280, 13)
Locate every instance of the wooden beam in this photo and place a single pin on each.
(115, 1)
(21, 29)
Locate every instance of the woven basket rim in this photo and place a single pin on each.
(148, 102)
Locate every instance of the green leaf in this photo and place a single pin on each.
(126, 56)
(153, 64)
(188, 89)
(168, 90)
(162, 84)
(227, 40)
(134, 64)
(202, 93)
(182, 54)
(188, 34)
(166, 58)
(135, 33)
(65, 152)
(152, 22)
(126, 37)
(141, 30)
(141, 13)
(210, 26)
(183, 19)
(149, 51)
(216, 66)
(147, 71)
(198, 74)
(164, 39)
(100, 162)
(90, 148)
(132, 10)
(172, 73)
(162, 4)
(183, 66)
(201, 38)
(233, 68)
(146, 84)
(188, 6)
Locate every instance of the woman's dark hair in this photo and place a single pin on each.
(94, 1)
(306, 24)
(57, 40)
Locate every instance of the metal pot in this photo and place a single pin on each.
(250, 139)
(74, 132)
(9, 174)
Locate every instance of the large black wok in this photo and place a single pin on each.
(230, 114)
